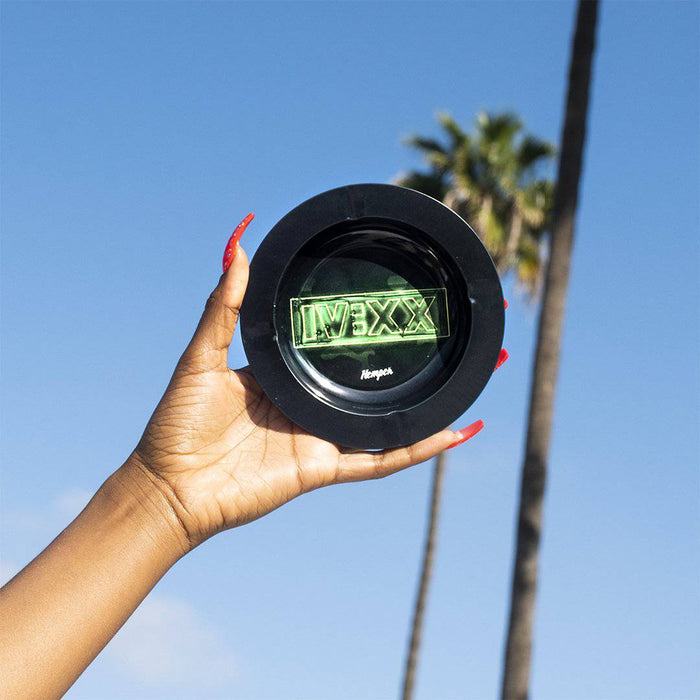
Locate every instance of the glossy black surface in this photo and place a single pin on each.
(373, 257)
(373, 239)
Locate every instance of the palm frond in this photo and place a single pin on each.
(432, 184)
(532, 151)
(452, 128)
(534, 202)
(422, 143)
(498, 128)
(529, 268)
(464, 172)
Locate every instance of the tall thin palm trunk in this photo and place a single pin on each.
(544, 377)
(426, 573)
(484, 218)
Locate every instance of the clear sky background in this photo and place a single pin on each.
(135, 136)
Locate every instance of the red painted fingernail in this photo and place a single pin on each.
(233, 241)
(501, 358)
(469, 432)
(505, 303)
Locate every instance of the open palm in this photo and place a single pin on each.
(223, 454)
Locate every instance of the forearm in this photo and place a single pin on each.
(59, 612)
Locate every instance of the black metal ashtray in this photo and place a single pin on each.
(373, 317)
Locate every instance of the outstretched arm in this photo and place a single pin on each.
(216, 454)
(59, 612)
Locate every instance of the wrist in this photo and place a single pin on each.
(137, 492)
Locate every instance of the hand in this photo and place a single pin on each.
(215, 454)
(223, 455)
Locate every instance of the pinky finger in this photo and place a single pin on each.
(359, 466)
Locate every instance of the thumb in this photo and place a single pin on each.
(208, 348)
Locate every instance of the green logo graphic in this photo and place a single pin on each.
(369, 317)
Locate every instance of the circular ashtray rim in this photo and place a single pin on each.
(353, 204)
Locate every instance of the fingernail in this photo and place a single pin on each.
(501, 358)
(232, 244)
(469, 432)
(505, 303)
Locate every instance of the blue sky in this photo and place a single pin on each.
(135, 136)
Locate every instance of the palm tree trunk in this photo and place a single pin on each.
(485, 215)
(514, 234)
(451, 198)
(544, 377)
(426, 573)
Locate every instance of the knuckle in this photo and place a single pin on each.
(216, 301)
(214, 298)
(382, 464)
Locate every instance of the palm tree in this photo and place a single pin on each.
(544, 376)
(492, 177)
